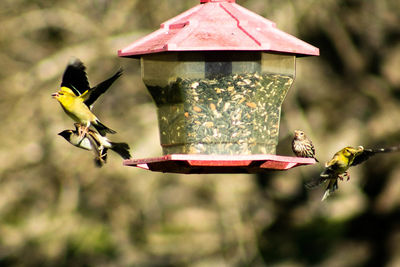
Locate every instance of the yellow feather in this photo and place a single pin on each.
(74, 106)
(85, 95)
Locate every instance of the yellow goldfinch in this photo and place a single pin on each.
(77, 98)
(96, 143)
(302, 146)
(337, 167)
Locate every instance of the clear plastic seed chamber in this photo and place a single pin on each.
(218, 102)
(218, 74)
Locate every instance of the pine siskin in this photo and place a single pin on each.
(302, 146)
(337, 167)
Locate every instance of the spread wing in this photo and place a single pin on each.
(100, 89)
(75, 77)
(314, 182)
(367, 153)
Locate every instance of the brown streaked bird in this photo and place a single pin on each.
(302, 146)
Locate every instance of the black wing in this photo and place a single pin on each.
(100, 89)
(75, 77)
(367, 153)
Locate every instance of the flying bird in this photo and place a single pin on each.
(302, 145)
(77, 98)
(95, 142)
(337, 167)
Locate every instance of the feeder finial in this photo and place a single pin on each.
(211, 1)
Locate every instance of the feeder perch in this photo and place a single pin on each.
(218, 74)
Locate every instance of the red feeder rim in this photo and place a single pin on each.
(218, 25)
(195, 163)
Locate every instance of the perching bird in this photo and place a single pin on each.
(337, 167)
(77, 98)
(95, 142)
(302, 146)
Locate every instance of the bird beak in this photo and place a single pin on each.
(54, 95)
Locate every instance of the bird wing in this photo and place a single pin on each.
(330, 172)
(96, 145)
(99, 151)
(93, 93)
(75, 77)
(367, 153)
(316, 181)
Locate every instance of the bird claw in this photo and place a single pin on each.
(344, 175)
(82, 131)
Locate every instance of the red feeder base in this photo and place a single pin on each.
(195, 163)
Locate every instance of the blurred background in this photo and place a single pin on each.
(58, 209)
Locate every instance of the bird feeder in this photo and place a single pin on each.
(218, 74)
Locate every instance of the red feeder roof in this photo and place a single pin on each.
(217, 25)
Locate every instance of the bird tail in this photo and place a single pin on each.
(102, 129)
(332, 187)
(122, 149)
